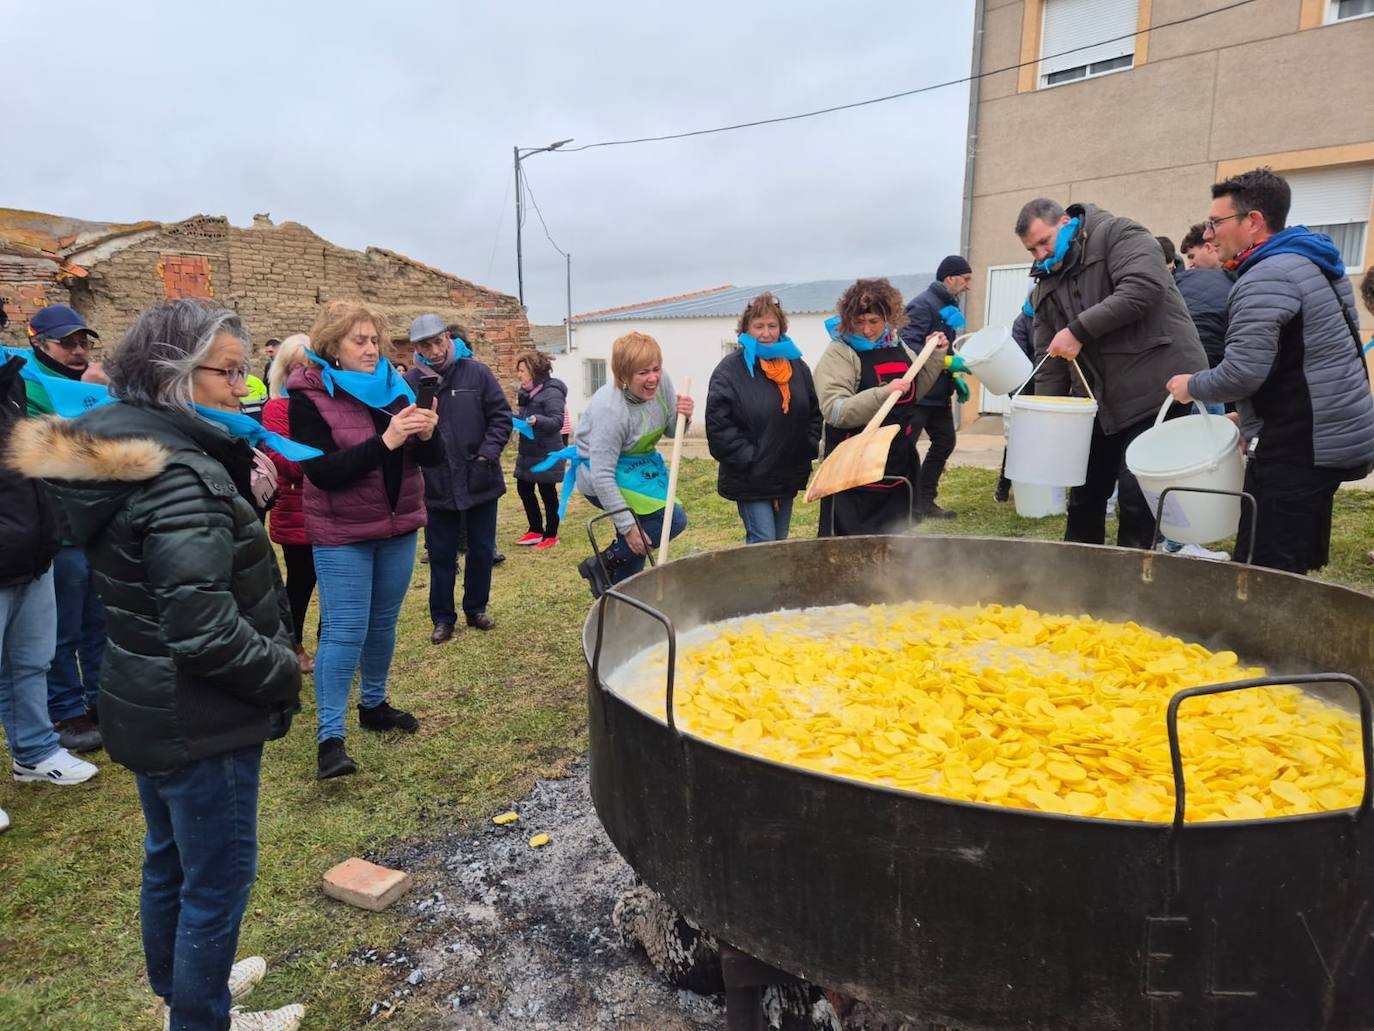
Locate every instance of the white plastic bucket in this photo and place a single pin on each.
(1036, 501)
(1048, 438)
(1199, 451)
(993, 356)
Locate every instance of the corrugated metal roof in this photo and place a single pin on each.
(818, 295)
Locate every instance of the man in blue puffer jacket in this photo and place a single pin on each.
(937, 311)
(1292, 365)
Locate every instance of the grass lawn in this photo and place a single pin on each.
(497, 710)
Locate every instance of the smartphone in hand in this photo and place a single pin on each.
(425, 392)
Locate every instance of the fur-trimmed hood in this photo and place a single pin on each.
(60, 449)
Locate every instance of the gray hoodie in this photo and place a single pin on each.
(609, 427)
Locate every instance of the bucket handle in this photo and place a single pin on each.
(1245, 496)
(1198, 406)
(1074, 362)
(1366, 728)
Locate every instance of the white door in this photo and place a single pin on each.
(1007, 289)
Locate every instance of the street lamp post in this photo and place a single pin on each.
(520, 154)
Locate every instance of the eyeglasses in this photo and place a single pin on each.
(233, 376)
(1210, 224)
(72, 341)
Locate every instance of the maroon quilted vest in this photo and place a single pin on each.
(360, 511)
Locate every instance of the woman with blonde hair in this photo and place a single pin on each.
(363, 503)
(617, 463)
(866, 361)
(763, 422)
(286, 522)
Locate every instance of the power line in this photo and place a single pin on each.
(904, 93)
(535, 203)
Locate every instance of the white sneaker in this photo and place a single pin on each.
(288, 1018)
(1198, 551)
(4, 820)
(59, 768)
(243, 978)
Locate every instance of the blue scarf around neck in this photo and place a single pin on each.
(832, 326)
(461, 350)
(1062, 243)
(376, 389)
(69, 397)
(753, 350)
(245, 427)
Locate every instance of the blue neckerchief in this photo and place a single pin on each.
(1369, 346)
(565, 493)
(376, 389)
(249, 429)
(69, 397)
(522, 427)
(1061, 247)
(1317, 248)
(1026, 309)
(783, 348)
(953, 317)
(461, 350)
(832, 326)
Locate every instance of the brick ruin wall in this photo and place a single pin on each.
(276, 277)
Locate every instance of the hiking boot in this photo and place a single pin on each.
(59, 768)
(78, 734)
(442, 632)
(530, 538)
(590, 570)
(383, 717)
(287, 1018)
(333, 761)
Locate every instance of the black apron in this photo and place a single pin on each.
(879, 507)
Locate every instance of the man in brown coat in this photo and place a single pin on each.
(1103, 297)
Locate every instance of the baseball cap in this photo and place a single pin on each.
(57, 321)
(426, 326)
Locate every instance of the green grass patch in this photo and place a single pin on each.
(497, 710)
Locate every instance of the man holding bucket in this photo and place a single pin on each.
(1103, 298)
(1293, 364)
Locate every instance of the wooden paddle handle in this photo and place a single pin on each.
(907, 377)
(679, 432)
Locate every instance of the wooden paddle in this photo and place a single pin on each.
(862, 458)
(678, 433)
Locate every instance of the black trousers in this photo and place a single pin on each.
(1294, 503)
(1087, 522)
(938, 424)
(545, 523)
(300, 583)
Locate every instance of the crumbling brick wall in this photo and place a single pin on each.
(27, 284)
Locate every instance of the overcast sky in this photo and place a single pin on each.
(391, 123)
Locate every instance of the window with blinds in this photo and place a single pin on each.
(1082, 38)
(593, 375)
(1335, 201)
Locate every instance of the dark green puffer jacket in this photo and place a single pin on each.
(199, 662)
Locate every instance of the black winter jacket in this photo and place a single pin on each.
(922, 319)
(1205, 291)
(547, 408)
(28, 530)
(474, 420)
(763, 453)
(199, 661)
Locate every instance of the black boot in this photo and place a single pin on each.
(1003, 492)
(383, 717)
(597, 570)
(333, 761)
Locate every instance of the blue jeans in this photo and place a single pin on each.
(626, 562)
(444, 533)
(74, 679)
(765, 520)
(361, 589)
(28, 615)
(199, 860)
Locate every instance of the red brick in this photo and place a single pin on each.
(365, 885)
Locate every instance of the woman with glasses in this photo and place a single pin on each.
(158, 490)
(363, 503)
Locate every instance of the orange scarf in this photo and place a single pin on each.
(779, 370)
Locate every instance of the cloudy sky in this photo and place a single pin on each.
(391, 123)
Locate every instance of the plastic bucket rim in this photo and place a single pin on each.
(1206, 465)
(1039, 403)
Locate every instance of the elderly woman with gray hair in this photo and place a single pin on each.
(159, 491)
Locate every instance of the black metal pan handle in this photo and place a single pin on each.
(1243, 495)
(652, 613)
(1366, 727)
(910, 502)
(596, 546)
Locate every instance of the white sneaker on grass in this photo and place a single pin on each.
(1193, 551)
(243, 978)
(59, 768)
(288, 1018)
(4, 820)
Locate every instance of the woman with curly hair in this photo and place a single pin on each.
(863, 364)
